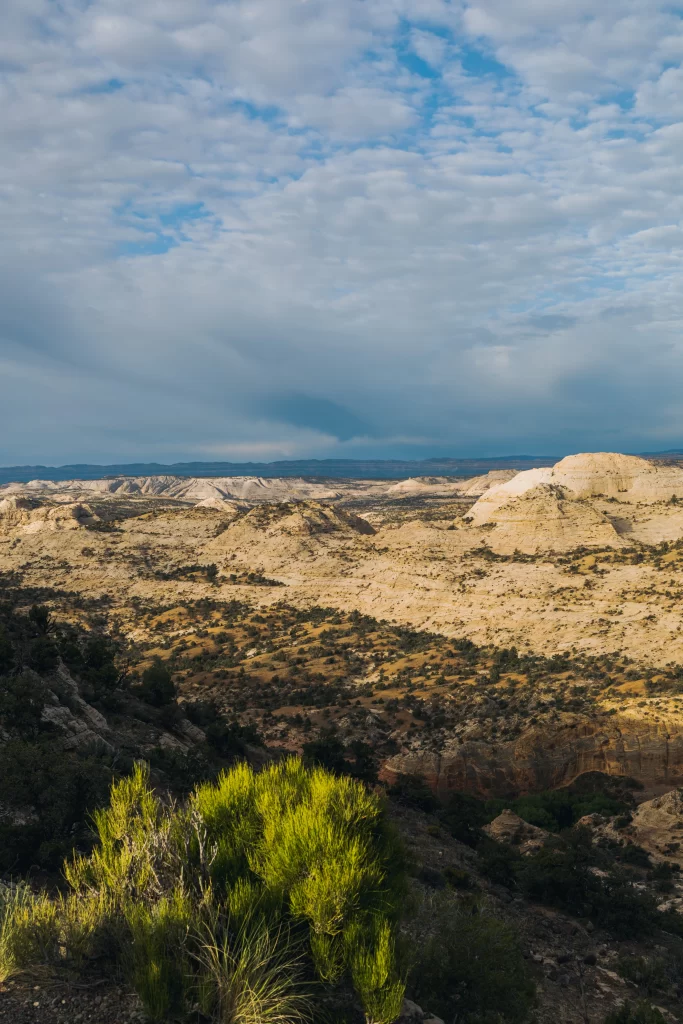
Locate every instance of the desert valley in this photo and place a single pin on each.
(495, 653)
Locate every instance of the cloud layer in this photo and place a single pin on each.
(247, 228)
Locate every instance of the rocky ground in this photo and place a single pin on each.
(23, 1002)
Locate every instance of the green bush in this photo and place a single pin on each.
(12, 901)
(61, 933)
(43, 655)
(22, 699)
(45, 798)
(648, 974)
(158, 688)
(200, 902)
(560, 875)
(635, 1013)
(469, 966)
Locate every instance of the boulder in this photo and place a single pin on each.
(512, 830)
(411, 1013)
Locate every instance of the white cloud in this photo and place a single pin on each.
(488, 256)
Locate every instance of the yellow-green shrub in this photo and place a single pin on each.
(198, 899)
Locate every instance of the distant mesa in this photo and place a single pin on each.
(247, 488)
(213, 492)
(319, 469)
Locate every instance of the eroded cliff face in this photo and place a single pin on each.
(549, 757)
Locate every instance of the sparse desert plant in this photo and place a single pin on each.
(197, 900)
(13, 899)
(635, 1013)
(252, 976)
(157, 956)
(37, 931)
(648, 973)
(372, 955)
(31, 931)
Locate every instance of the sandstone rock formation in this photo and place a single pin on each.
(411, 1013)
(79, 724)
(225, 505)
(249, 488)
(443, 486)
(512, 830)
(271, 536)
(29, 516)
(257, 489)
(304, 519)
(477, 485)
(540, 759)
(546, 519)
(597, 474)
(657, 826)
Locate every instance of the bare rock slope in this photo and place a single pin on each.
(545, 518)
(597, 474)
(24, 515)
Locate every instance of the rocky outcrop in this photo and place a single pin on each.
(512, 830)
(79, 724)
(551, 756)
(657, 826)
(478, 485)
(596, 474)
(546, 519)
(274, 536)
(26, 515)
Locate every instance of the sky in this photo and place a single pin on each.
(264, 229)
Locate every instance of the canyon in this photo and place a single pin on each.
(582, 559)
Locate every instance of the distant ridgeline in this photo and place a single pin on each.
(357, 469)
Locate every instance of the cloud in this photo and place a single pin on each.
(313, 228)
(319, 414)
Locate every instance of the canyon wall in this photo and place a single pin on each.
(548, 757)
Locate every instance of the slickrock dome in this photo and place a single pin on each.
(546, 519)
(445, 485)
(512, 830)
(425, 485)
(606, 474)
